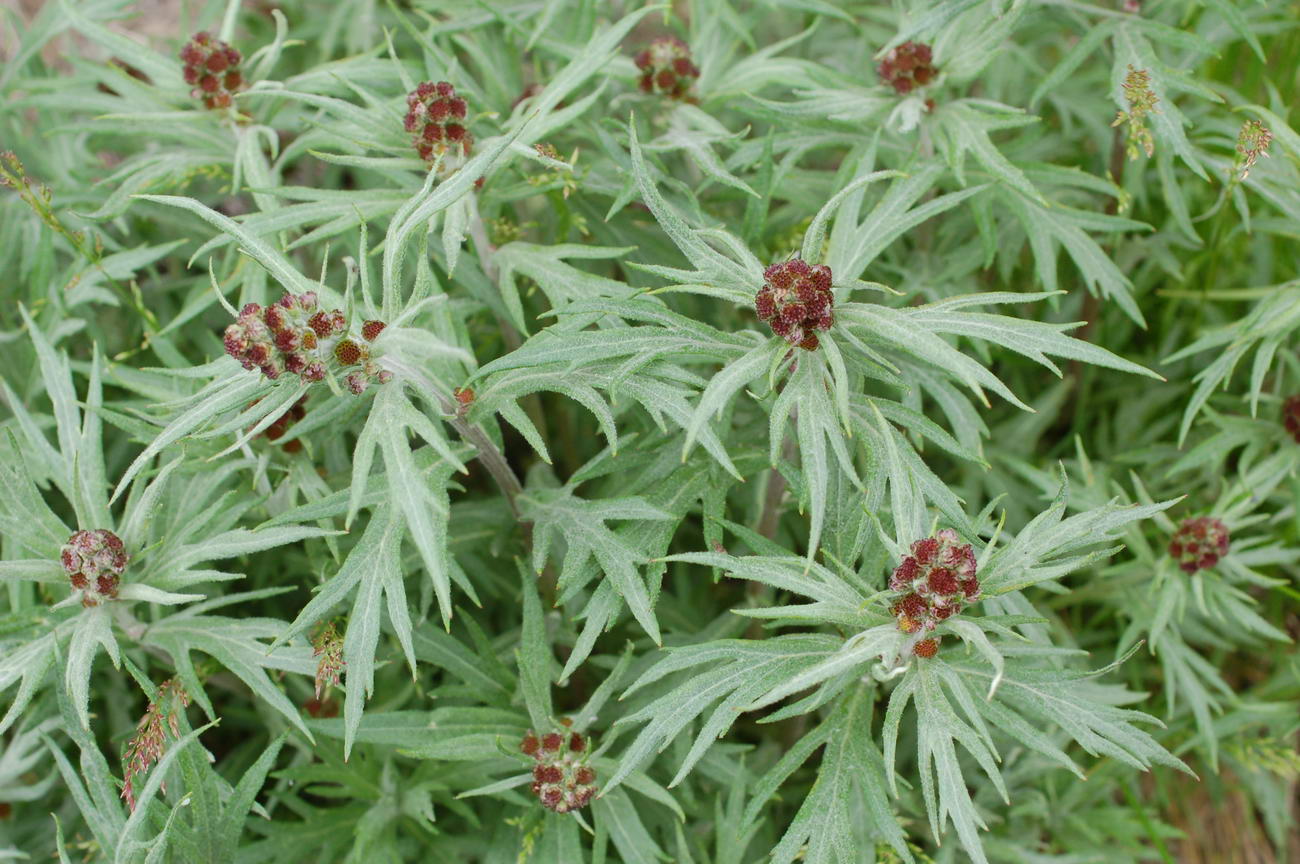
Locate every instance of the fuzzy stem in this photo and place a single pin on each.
(488, 454)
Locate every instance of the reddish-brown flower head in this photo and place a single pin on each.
(349, 353)
(94, 561)
(294, 335)
(464, 400)
(285, 336)
(1291, 417)
(1199, 543)
(907, 67)
(666, 68)
(933, 582)
(796, 301)
(211, 68)
(926, 648)
(562, 779)
(436, 118)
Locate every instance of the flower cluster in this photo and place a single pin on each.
(146, 745)
(281, 424)
(935, 581)
(562, 780)
(1291, 416)
(435, 117)
(94, 561)
(350, 352)
(328, 646)
(1252, 142)
(1141, 102)
(212, 68)
(666, 68)
(1199, 543)
(907, 67)
(795, 301)
(291, 334)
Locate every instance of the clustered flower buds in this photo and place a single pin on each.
(936, 580)
(281, 424)
(666, 68)
(1199, 543)
(291, 334)
(435, 117)
(795, 301)
(349, 352)
(1252, 142)
(212, 68)
(94, 561)
(146, 745)
(294, 335)
(907, 67)
(1291, 416)
(328, 646)
(562, 780)
(1141, 102)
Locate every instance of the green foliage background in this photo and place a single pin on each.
(598, 488)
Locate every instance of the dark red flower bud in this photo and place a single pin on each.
(795, 301)
(357, 382)
(907, 66)
(286, 340)
(432, 120)
(259, 354)
(370, 330)
(349, 353)
(926, 648)
(93, 561)
(1199, 543)
(936, 580)
(562, 780)
(666, 68)
(321, 324)
(212, 66)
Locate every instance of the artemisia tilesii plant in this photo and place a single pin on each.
(728, 431)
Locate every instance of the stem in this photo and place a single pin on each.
(489, 455)
(512, 338)
(492, 459)
(769, 521)
(1091, 302)
(771, 518)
